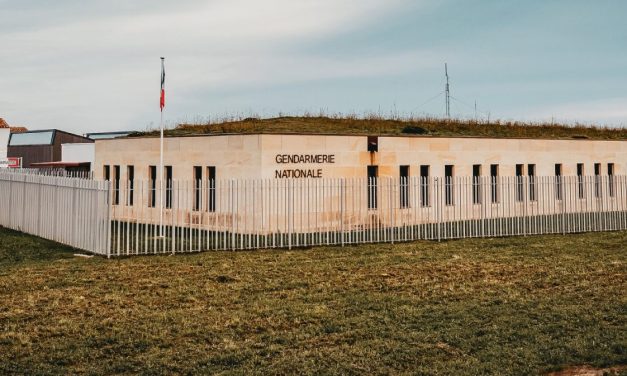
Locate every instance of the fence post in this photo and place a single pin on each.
(74, 212)
(438, 213)
(108, 221)
(10, 202)
(39, 207)
(391, 198)
(290, 208)
(55, 217)
(232, 184)
(525, 191)
(562, 193)
(342, 198)
(23, 203)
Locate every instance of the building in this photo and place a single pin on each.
(42, 148)
(5, 133)
(284, 156)
(265, 182)
(75, 157)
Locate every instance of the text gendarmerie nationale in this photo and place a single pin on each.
(301, 159)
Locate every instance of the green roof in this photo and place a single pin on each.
(397, 127)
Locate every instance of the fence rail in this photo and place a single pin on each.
(124, 217)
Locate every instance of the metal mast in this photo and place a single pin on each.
(448, 93)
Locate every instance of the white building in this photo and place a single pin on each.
(5, 135)
(79, 153)
(4, 140)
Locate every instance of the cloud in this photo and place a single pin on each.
(94, 65)
(608, 111)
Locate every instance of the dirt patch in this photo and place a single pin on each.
(588, 371)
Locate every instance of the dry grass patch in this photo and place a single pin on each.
(378, 125)
(512, 306)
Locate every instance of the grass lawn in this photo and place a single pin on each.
(512, 306)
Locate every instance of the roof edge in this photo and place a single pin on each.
(364, 135)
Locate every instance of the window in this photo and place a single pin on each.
(558, 181)
(116, 185)
(448, 185)
(211, 189)
(197, 187)
(610, 179)
(130, 179)
(373, 173)
(476, 184)
(531, 172)
(373, 143)
(168, 187)
(404, 186)
(106, 173)
(580, 180)
(424, 185)
(31, 138)
(597, 180)
(520, 188)
(494, 181)
(152, 194)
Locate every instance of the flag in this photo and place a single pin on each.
(162, 99)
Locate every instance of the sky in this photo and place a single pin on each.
(93, 66)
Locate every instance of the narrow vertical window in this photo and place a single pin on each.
(373, 173)
(197, 187)
(476, 184)
(580, 180)
(106, 173)
(130, 185)
(424, 185)
(597, 180)
(211, 189)
(116, 185)
(494, 187)
(520, 189)
(168, 187)
(448, 185)
(531, 172)
(404, 186)
(558, 181)
(152, 194)
(610, 179)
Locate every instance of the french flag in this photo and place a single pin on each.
(162, 98)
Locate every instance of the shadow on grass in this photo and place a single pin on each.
(18, 248)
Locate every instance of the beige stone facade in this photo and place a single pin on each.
(269, 156)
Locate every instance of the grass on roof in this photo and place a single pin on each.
(513, 306)
(374, 125)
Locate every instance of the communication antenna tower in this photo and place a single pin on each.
(448, 93)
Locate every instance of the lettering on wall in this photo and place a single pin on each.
(292, 159)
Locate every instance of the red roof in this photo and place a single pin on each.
(18, 129)
(5, 125)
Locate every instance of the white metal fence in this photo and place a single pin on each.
(123, 217)
(249, 214)
(68, 210)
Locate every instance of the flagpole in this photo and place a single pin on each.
(162, 195)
